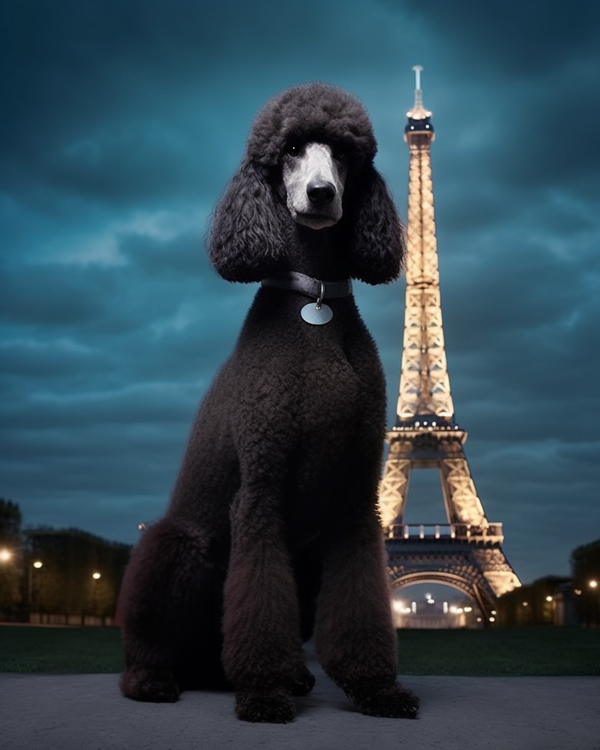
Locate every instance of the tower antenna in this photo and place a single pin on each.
(418, 112)
(418, 91)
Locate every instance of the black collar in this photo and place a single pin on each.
(300, 282)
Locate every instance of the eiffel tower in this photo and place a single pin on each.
(465, 552)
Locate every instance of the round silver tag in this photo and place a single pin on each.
(316, 316)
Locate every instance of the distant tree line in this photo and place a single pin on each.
(585, 562)
(557, 600)
(57, 571)
(71, 572)
(531, 604)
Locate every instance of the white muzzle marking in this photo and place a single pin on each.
(314, 184)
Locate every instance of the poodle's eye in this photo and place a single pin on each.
(339, 154)
(293, 149)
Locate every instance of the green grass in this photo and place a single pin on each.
(48, 649)
(500, 652)
(497, 652)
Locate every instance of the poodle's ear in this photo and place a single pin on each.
(245, 240)
(378, 243)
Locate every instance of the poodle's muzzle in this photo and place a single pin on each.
(314, 182)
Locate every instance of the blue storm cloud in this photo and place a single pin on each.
(122, 124)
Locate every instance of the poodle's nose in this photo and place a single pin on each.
(320, 193)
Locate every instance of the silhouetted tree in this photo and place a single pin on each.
(10, 522)
(585, 564)
(10, 554)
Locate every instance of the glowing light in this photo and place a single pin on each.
(38, 564)
(548, 598)
(5, 555)
(96, 576)
(494, 612)
(492, 619)
(525, 604)
(468, 609)
(578, 592)
(593, 584)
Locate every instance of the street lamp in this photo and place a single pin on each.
(96, 576)
(31, 584)
(5, 555)
(593, 584)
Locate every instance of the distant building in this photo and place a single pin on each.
(564, 605)
(432, 614)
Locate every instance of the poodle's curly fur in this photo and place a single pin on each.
(272, 530)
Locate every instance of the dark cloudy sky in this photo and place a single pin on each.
(121, 124)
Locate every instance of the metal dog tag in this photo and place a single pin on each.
(316, 314)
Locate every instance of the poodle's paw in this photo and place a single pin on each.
(152, 685)
(304, 682)
(274, 706)
(389, 700)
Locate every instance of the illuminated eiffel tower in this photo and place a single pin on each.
(464, 552)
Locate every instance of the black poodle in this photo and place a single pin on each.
(272, 530)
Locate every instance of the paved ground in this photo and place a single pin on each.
(87, 712)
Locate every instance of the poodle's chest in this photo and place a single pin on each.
(335, 416)
(331, 386)
(331, 402)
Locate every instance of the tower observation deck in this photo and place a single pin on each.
(465, 551)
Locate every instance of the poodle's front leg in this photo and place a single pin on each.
(262, 652)
(355, 636)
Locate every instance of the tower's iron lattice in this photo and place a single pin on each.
(466, 551)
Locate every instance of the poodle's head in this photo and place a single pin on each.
(309, 155)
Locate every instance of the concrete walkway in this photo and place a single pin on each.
(87, 712)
